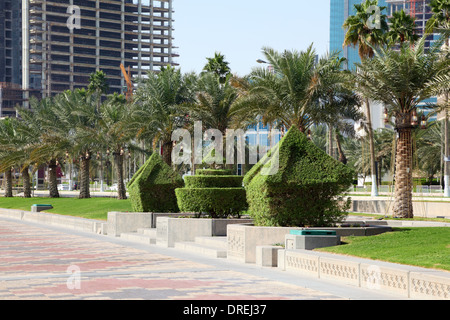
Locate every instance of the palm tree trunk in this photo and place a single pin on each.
(342, 157)
(330, 140)
(52, 180)
(446, 139)
(8, 184)
(167, 152)
(403, 175)
(121, 192)
(446, 154)
(372, 151)
(84, 178)
(26, 182)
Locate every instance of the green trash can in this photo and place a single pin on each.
(313, 232)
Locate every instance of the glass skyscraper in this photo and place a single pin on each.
(340, 10)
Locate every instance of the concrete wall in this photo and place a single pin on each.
(420, 208)
(74, 223)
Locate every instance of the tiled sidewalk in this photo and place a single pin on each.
(47, 264)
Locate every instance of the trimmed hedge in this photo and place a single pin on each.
(213, 181)
(214, 172)
(305, 189)
(216, 194)
(218, 202)
(152, 188)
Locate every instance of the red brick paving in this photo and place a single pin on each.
(35, 262)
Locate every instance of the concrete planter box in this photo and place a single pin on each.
(171, 230)
(357, 231)
(243, 239)
(310, 242)
(69, 222)
(123, 222)
(267, 256)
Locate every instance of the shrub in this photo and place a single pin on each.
(213, 181)
(304, 191)
(214, 172)
(216, 194)
(152, 188)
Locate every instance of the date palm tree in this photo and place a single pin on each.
(158, 107)
(440, 22)
(218, 66)
(98, 84)
(281, 96)
(16, 140)
(401, 28)
(7, 161)
(77, 112)
(429, 149)
(402, 80)
(213, 102)
(361, 32)
(51, 137)
(114, 134)
(332, 87)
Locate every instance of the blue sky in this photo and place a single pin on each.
(239, 30)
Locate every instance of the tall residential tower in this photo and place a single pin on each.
(53, 45)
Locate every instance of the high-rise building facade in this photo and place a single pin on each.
(10, 29)
(54, 45)
(419, 9)
(340, 10)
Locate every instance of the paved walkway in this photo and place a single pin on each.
(41, 262)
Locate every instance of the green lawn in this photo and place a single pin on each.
(423, 247)
(92, 208)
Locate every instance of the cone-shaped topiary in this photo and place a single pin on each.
(215, 192)
(303, 187)
(152, 188)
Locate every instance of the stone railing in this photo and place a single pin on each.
(407, 281)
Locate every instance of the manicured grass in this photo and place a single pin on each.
(422, 247)
(92, 208)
